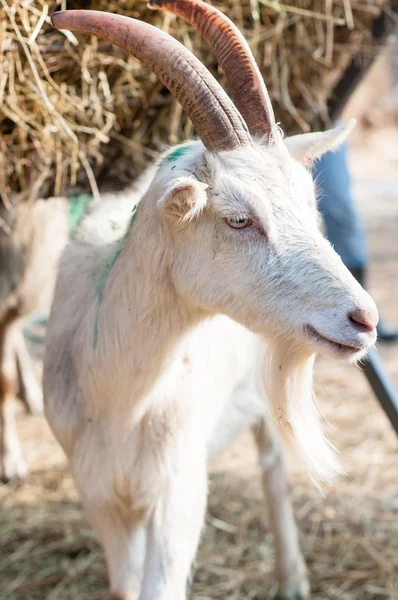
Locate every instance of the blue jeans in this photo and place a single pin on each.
(343, 225)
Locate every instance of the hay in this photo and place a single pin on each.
(74, 111)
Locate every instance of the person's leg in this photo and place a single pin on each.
(343, 226)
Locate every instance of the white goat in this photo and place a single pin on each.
(169, 324)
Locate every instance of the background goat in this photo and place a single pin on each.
(30, 246)
(168, 324)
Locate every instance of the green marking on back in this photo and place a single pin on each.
(179, 151)
(100, 278)
(77, 209)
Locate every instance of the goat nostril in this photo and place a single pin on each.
(363, 321)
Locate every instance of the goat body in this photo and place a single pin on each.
(147, 374)
(174, 327)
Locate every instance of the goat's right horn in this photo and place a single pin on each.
(213, 114)
(235, 57)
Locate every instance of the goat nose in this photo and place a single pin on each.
(364, 320)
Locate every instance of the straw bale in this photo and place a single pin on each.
(76, 112)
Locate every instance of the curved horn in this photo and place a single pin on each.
(235, 57)
(213, 115)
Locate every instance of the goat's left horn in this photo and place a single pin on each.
(244, 78)
(213, 115)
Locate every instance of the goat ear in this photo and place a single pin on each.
(307, 147)
(184, 200)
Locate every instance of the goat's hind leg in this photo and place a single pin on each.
(12, 464)
(291, 571)
(29, 389)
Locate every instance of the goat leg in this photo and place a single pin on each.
(29, 389)
(291, 571)
(124, 541)
(173, 533)
(12, 464)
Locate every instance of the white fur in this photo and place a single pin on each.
(155, 351)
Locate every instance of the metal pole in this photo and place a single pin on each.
(382, 386)
(357, 68)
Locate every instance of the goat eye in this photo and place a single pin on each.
(239, 222)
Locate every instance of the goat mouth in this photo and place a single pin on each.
(331, 344)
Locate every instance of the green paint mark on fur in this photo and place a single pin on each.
(101, 277)
(77, 209)
(179, 151)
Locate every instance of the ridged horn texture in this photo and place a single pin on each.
(235, 58)
(213, 115)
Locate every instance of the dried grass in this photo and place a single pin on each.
(74, 110)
